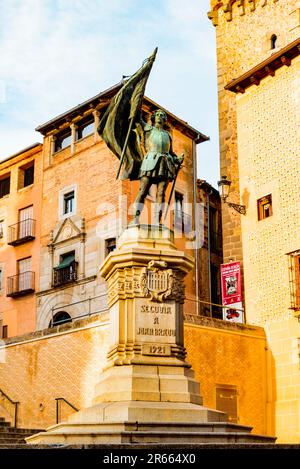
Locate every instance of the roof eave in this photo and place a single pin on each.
(267, 67)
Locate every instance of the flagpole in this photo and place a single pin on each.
(171, 193)
(124, 147)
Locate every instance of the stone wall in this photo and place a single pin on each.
(66, 361)
(243, 31)
(269, 164)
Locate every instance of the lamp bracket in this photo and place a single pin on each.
(239, 208)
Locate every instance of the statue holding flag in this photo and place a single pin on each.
(144, 149)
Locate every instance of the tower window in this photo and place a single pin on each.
(264, 207)
(273, 41)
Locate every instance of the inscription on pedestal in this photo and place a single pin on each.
(155, 323)
(163, 350)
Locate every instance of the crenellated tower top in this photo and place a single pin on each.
(231, 7)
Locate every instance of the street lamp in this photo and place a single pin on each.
(224, 186)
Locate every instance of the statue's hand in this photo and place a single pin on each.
(180, 159)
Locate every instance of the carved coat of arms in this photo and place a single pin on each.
(157, 281)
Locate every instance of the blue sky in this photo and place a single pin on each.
(58, 53)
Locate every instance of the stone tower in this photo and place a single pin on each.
(245, 32)
(258, 53)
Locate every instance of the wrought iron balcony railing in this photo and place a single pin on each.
(65, 275)
(21, 232)
(182, 222)
(21, 284)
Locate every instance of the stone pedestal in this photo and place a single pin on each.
(147, 392)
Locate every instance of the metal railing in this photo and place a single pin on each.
(14, 403)
(65, 275)
(87, 309)
(182, 222)
(20, 284)
(21, 232)
(217, 311)
(58, 407)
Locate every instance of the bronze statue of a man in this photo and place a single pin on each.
(144, 149)
(160, 164)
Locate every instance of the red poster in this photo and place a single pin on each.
(231, 283)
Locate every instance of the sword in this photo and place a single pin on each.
(172, 190)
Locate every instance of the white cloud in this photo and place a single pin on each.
(56, 54)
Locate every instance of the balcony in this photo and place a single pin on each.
(182, 222)
(21, 284)
(21, 232)
(63, 275)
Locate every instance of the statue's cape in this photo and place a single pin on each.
(125, 107)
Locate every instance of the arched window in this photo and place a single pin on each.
(273, 41)
(61, 317)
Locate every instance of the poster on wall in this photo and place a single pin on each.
(232, 292)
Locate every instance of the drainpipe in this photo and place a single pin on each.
(196, 225)
(209, 250)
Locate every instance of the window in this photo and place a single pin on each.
(60, 318)
(1, 279)
(85, 127)
(24, 280)
(62, 141)
(4, 186)
(26, 175)
(182, 220)
(66, 270)
(4, 332)
(178, 214)
(69, 202)
(294, 279)
(26, 226)
(264, 207)
(214, 231)
(110, 245)
(1, 228)
(22, 283)
(226, 401)
(273, 41)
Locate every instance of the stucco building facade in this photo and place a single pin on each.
(20, 215)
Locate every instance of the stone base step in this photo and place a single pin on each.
(169, 427)
(147, 433)
(146, 437)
